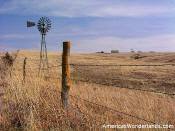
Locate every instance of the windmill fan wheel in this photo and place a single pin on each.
(44, 25)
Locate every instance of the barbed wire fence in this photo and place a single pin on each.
(99, 83)
(75, 66)
(29, 69)
(89, 102)
(77, 98)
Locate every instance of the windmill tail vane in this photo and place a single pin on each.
(30, 24)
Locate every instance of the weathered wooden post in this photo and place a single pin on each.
(24, 70)
(65, 74)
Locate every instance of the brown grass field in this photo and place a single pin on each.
(128, 94)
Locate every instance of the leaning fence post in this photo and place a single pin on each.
(65, 74)
(24, 70)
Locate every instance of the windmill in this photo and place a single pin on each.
(44, 25)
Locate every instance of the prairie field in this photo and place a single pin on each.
(106, 89)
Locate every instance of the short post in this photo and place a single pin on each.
(24, 69)
(65, 74)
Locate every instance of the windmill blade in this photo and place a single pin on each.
(30, 24)
(44, 25)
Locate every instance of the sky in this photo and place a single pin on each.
(90, 25)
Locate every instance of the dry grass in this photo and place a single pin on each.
(36, 105)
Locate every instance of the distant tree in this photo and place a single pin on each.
(100, 52)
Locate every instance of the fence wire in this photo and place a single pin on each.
(141, 78)
(77, 69)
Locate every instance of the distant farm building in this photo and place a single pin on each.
(114, 51)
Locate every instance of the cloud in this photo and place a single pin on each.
(17, 36)
(12, 46)
(84, 8)
(160, 43)
(6, 49)
(130, 11)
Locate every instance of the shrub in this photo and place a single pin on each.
(8, 59)
(137, 56)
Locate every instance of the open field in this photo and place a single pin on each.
(129, 90)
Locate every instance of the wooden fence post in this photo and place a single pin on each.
(65, 74)
(24, 70)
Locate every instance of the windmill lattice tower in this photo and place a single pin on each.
(44, 25)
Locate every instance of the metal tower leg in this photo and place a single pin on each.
(43, 55)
